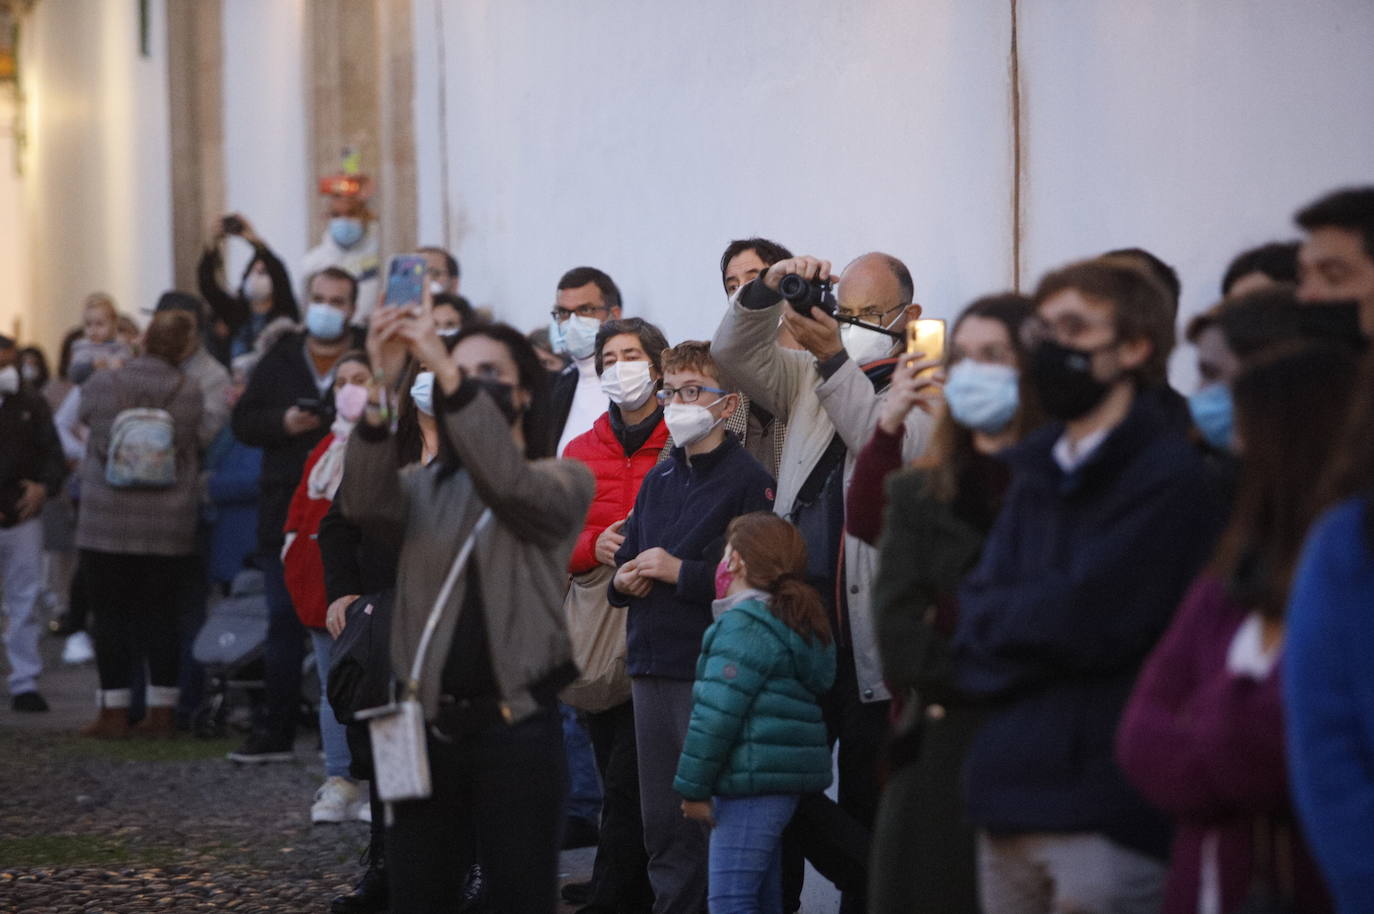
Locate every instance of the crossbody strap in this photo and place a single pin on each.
(445, 592)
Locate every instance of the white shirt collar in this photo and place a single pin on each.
(1070, 455)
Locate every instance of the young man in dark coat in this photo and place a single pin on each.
(1109, 516)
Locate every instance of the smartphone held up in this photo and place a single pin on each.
(405, 281)
(926, 338)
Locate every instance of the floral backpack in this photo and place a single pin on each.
(143, 452)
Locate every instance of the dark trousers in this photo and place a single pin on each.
(620, 874)
(135, 612)
(836, 838)
(283, 653)
(508, 784)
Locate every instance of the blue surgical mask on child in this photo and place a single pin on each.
(983, 396)
(1213, 414)
(346, 231)
(422, 392)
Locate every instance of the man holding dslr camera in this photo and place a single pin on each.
(831, 395)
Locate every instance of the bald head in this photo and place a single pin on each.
(876, 279)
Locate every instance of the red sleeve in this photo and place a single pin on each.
(865, 500)
(299, 499)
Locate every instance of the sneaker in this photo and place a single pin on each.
(364, 813)
(28, 701)
(263, 747)
(78, 649)
(335, 801)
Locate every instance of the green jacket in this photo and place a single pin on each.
(756, 723)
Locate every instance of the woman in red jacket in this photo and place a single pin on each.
(338, 799)
(622, 446)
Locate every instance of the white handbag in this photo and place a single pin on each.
(400, 759)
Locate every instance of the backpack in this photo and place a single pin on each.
(142, 452)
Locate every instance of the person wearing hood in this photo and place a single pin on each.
(757, 738)
(351, 240)
(264, 291)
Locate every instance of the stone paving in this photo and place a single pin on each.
(88, 827)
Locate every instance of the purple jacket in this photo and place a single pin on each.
(1207, 747)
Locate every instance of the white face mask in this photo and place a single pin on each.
(579, 335)
(864, 345)
(257, 287)
(9, 380)
(628, 384)
(688, 423)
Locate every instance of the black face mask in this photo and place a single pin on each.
(1063, 380)
(1333, 321)
(503, 395)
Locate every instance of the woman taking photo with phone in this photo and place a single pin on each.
(500, 651)
(938, 515)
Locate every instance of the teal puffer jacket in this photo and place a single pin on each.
(756, 721)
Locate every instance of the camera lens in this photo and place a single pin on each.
(794, 288)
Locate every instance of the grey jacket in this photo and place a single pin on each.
(522, 554)
(787, 384)
(212, 380)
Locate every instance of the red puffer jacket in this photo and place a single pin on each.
(617, 481)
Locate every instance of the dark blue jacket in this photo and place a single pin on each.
(1080, 576)
(1330, 698)
(234, 470)
(685, 508)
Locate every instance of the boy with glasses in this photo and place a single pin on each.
(666, 569)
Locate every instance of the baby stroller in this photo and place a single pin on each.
(230, 644)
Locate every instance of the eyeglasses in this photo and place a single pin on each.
(686, 394)
(562, 314)
(872, 314)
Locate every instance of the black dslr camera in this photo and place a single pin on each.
(803, 294)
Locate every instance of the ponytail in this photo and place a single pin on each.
(775, 555)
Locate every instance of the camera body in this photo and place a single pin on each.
(803, 294)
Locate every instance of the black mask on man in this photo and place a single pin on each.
(1062, 377)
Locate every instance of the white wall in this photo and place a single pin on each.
(641, 138)
(98, 168)
(266, 127)
(14, 266)
(1194, 128)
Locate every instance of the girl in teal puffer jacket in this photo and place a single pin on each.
(757, 740)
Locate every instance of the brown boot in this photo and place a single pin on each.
(112, 723)
(158, 723)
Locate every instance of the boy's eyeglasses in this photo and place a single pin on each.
(686, 394)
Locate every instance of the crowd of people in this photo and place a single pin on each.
(1061, 638)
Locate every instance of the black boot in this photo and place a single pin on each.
(369, 896)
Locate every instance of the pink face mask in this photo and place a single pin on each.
(724, 578)
(350, 401)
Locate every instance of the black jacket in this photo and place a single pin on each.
(562, 389)
(232, 308)
(29, 450)
(281, 378)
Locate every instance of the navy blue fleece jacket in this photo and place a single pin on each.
(684, 508)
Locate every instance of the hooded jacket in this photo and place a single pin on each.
(756, 722)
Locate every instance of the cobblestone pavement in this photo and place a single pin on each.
(88, 827)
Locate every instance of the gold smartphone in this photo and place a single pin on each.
(926, 337)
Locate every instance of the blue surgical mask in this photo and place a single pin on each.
(983, 396)
(346, 231)
(422, 392)
(324, 322)
(579, 335)
(1213, 414)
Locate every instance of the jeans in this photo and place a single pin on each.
(21, 564)
(283, 653)
(584, 789)
(507, 784)
(746, 853)
(337, 758)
